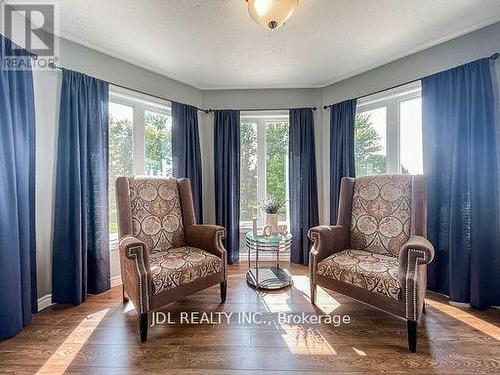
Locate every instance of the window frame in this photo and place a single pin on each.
(391, 100)
(140, 104)
(261, 118)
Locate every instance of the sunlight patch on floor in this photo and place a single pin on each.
(306, 340)
(324, 301)
(128, 307)
(464, 317)
(359, 352)
(274, 298)
(274, 302)
(60, 360)
(301, 283)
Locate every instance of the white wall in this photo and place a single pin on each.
(105, 67)
(47, 86)
(481, 43)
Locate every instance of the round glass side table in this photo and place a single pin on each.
(268, 277)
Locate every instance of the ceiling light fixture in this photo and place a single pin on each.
(271, 13)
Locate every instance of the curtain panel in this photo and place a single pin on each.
(186, 151)
(227, 179)
(18, 293)
(303, 183)
(460, 162)
(495, 76)
(80, 262)
(342, 122)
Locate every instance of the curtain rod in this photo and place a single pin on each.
(259, 109)
(492, 57)
(53, 66)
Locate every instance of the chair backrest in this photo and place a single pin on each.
(154, 210)
(385, 211)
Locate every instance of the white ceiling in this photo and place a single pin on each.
(214, 44)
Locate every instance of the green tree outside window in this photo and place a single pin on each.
(367, 147)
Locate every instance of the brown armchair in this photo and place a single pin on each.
(378, 251)
(164, 255)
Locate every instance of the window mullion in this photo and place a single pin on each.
(261, 163)
(392, 137)
(139, 140)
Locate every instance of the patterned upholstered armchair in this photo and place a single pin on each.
(378, 251)
(164, 255)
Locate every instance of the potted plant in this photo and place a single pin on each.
(271, 205)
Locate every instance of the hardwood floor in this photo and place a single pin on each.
(101, 337)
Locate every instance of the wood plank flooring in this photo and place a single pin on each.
(100, 337)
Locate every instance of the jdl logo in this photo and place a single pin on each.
(32, 26)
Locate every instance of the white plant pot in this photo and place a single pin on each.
(272, 222)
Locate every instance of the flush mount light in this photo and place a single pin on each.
(271, 13)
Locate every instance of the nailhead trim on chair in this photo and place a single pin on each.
(418, 256)
(136, 253)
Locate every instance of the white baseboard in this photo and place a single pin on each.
(44, 302)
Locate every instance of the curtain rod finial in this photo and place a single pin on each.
(495, 56)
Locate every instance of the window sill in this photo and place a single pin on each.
(246, 226)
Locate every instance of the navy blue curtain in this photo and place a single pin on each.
(303, 182)
(186, 151)
(227, 179)
(342, 121)
(80, 262)
(460, 162)
(18, 294)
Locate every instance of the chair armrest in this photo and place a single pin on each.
(414, 254)
(208, 238)
(136, 271)
(417, 248)
(327, 239)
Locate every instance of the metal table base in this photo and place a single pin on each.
(268, 277)
(271, 278)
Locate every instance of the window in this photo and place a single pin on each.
(388, 132)
(277, 162)
(264, 164)
(120, 152)
(140, 141)
(158, 137)
(248, 170)
(370, 142)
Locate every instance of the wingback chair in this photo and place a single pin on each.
(164, 254)
(378, 251)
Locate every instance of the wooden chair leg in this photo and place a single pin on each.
(143, 327)
(314, 289)
(223, 291)
(412, 335)
(124, 295)
(423, 309)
